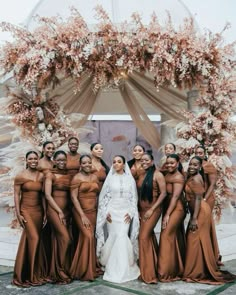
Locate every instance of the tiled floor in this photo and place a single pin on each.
(101, 287)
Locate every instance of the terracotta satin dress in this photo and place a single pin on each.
(148, 246)
(73, 167)
(30, 264)
(172, 244)
(209, 169)
(46, 232)
(61, 238)
(200, 265)
(83, 266)
(137, 172)
(72, 164)
(101, 175)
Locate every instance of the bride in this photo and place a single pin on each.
(117, 210)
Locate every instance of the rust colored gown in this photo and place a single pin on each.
(101, 175)
(148, 246)
(72, 164)
(83, 265)
(209, 168)
(137, 172)
(46, 231)
(200, 265)
(30, 264)
(73, 167)
(61, 238)
(172, 239)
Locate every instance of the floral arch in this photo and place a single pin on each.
(156, 61)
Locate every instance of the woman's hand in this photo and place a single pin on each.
(21, 220)
(109, 218)
(165, 221)
(62, 217)
(44, 220)
(148, 214)
(127, 218)
(86, 222)
(193, 225)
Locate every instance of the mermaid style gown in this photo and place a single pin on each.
(117, 252)
(172, 238)
(83, 265)
(61, 238)
(30, 265)
(201, 265)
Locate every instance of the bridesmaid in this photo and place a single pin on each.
(99, 167)
(200, 265)
(73, 156)
(135, 164)
(169, 149)
(28, 270)
(84, 192)
(209, 174)
(46, 163)
(172, 238)
(152, 191)
(57, 192)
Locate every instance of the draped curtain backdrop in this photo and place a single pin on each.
(169, 101)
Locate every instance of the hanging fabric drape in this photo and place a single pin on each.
(140, 118)
(82, 102)
(174, 93)
(152, 96)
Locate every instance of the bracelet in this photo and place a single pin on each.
(204, 199)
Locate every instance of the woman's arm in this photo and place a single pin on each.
(44, 210)
(193, 220)
(17, 193)
(52, 203)
(196, 186)
(212, 181)
(160, 179)
(177, 191)
(74, 192)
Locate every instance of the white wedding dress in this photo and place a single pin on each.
(119, 252)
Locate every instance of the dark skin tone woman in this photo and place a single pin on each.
(152, 191)
(200, 264)
(209, 174)
(135, 164)
(172, 238)
(84, 192)
(30, 212)
(99, 167)
(45, 162)
(57, 192)
(73, 156)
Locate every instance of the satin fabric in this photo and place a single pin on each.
(30, 265)
(172, 243)
(61, 237)
(73, 164)
(83, 265)
(209, 169)
(148, 246)
(200, 265)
